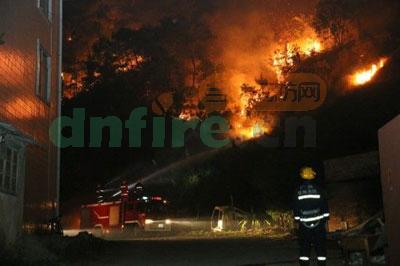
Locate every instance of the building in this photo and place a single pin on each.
(30, 93)
(389, 151)
(354, 191)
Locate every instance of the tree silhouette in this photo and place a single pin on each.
(335, 16)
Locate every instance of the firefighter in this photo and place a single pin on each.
(124, 191)
(138, 190)
(55, 225)
(124, 200)
(311, 212)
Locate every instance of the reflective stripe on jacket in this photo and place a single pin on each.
(310, 204)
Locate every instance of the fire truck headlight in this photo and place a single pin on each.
(220, 224)
(148, 221)
(168, 221)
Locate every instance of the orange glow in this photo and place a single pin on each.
(245, 128)
(128, 63)
(251, 75)
(310, 46)
(284, 59)
(187, 115)
(246, 124)
(190, 109)
(365, 75)
(23, 108)
(74, 80)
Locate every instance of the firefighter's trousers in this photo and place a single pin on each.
(312, 237)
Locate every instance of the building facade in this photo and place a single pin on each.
(354, 190)
(30, 97)
(389, 151)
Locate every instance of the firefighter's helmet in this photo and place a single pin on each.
(138, 187)
(307, 173)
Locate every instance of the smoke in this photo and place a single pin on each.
(244, 40)
(246, 34)
(244, 31)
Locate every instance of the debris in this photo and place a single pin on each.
(365, 242)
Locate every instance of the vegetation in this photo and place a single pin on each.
(171, 54)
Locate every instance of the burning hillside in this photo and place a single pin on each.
(257, 62)
(365, 75)
(255, 66)
(244, 49)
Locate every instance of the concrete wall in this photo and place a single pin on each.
(354, 189)
(23, 24)
(389, 149)
(353, 202)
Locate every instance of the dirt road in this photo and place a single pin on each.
(232, 252)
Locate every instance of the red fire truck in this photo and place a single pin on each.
(131, 213)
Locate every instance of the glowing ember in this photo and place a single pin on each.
(248, 128)
(364, 76)
(128, 63)
(187, 115)
(190, 109)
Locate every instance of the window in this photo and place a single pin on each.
(9, 171)
(43, 73)
(45, 7)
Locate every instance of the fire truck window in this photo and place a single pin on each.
(156, 207)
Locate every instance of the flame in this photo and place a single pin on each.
(187, 115)
(285, 59)
(73, 81)
(245, 128)
(245, 91)
(365, 75)
(310, 46)
(246, 124)
(190, 109)
(128, 62)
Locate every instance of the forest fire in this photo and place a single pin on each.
(285, 59)
(365, 75)
(246, 123)
(246, 86)
(247, 67)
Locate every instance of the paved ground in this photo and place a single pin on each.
(232, 252)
